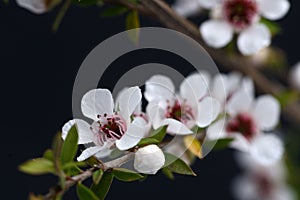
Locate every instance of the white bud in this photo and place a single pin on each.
(294, 77)
(37, 6)
(149, 159)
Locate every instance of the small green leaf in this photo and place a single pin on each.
(35, 197)
(192, 144)
(147, 141)
(273, 26)
(37, 166)
(93, 161)
(176, 165)
(48, 154)
(102, 188)
(168, 173)
(69, 147)
(133, 22)
(218, 144)
(85, 193)
(287, 97)
(114, 11)
(196, 129)
(97, 175)
(156, 137)
(126, 175)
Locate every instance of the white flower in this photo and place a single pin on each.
(247, 121)
(110, 125)
(187, 8)
(261, 182)
(180, 112)
(149, 159)
(294, 77)
(38, 6)
(242, 17)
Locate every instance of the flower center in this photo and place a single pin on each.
(109, 128)
(180, 112)
(265, 185)
(240, 13)
(244, 124)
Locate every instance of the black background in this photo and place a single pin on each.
(38, 69)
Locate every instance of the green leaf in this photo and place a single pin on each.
(114, 11)
(85, 193)
(48, 154)
(35, 197)
(69, 147)
(273, 26)
(287, 96)
(168, 173)
(156, 137)
(133, 22)
(102, 188)
(97, 175)
(37, 166)
(176, 165)
(192, 144)
(218, 144)
(93, 161)
(126, 175)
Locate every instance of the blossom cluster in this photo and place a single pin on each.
(220, 106)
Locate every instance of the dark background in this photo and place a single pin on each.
(38, 69)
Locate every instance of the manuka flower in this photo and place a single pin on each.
(241, 17)
(38, 6)
(187, 8)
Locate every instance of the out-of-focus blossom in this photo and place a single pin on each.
(180, 112)
(38, 6)
(187, 8)
(149, 159)
(294, 77)
(260, 182)
(112, 124)
(241, 17)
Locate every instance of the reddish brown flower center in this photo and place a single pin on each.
(243, 124)
(240, 13)
(265, 185)
(180, 112)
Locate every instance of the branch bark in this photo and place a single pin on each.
(88, 173)
(159, 10)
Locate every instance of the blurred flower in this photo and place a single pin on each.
(241, 17)
(246, 122)
(187, 8)
(38, 6)
(111, 125)
(180, 112)
(149, 159)
(294, 76)
(261, 182)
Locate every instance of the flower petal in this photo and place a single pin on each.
(129, 100)
(253, 39)
(216, 33)
(240, 102)
(208, 4)
(156, 114)
(208, 110)
(159, 88)
(137, 130)
(274, 9)
(217, 130)
(149, 159)
(176, 127)
(266, 112)
(89, 152)
(85, 134)
(186, 8)
(219, 87)
(240, 142)
(193, 88)
(267, 149)
(97, 102)
(35, 6)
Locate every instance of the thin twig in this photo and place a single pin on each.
(61, 15)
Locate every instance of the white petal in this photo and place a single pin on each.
(267, 149)
(97, 102)
(176, 127)
(253, 39)
(156, 114)
(248, 85)
(219, 85)
(137, 130)
(85, 134)
(186, 8)
(294, 77)
(266, 112)
(274, 9)
(149, 159)
(208, 4)
(193, 88)
(233, 81)
(129, 100)
(159, 88)
(35, 6)
(216, 130)
(216, 33)
(89, 152)
(240, 102)
(103, 153)
(208, 110)
(240, 142)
